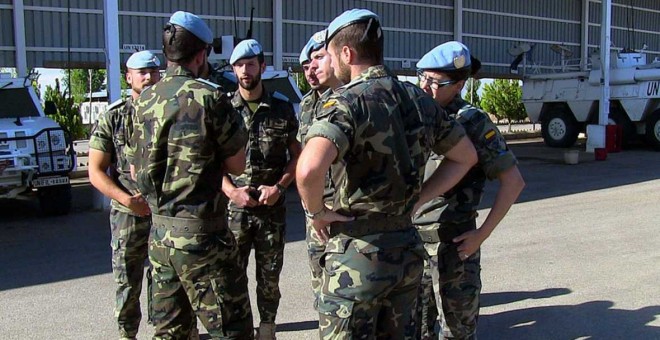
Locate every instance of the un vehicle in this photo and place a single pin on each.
(35, 155)
(567, 101)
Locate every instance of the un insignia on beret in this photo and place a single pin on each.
(459, 61)
(319, 36)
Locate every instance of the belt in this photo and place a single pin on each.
(446, 232)
(373, 224)
(188, 225)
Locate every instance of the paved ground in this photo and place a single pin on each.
(576, 258)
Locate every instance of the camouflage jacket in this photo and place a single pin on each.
(271, 130)
(307, 107)
(461, 202)
(384, 130)
(184, 131)
(308, 111)
(112, 134)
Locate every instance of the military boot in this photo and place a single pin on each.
(266, 331)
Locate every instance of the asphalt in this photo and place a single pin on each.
(577, 257)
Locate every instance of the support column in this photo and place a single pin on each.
(19, 39)
(277, 34)
(584, 42)
(458, 20)
(112, 62)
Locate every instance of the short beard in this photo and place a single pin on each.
(343, 72)
(252, 84)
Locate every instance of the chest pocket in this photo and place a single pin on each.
(273, 133)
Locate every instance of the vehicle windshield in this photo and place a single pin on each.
(17, 103)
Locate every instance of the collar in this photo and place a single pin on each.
(178, 70)
(238, 102)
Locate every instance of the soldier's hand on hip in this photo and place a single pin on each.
(138, 205)
(241, 197)
(269, 195)
(470, 242)
(322, 223)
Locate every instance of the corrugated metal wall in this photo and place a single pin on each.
(411, 27)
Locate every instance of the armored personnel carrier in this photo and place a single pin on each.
(35, 155)
(567, 101)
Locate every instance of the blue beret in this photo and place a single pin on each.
(316, 42)
(347, 18)
(245, 49)
(450, 56)
(143, 59)
(193, 24)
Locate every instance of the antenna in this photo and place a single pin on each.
(249, 32)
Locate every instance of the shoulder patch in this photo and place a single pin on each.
(208, 82)
(329, 103)
(116, 104)
(280, 96)
(490, 134)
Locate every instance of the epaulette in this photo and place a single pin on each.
(210, 83)
(117, 103)
(280, 96)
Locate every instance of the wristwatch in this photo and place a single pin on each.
(315, 215)
(280, 188)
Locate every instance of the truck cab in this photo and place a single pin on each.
(35, 154)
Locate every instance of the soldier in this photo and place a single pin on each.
(383, 130)
(129, 212)
(257, 211)
(186, 137)
(448, 224)
(321, 77)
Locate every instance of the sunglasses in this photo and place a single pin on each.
(433, 83)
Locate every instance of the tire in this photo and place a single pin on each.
(653, 130)
(55, 200)
(559, 129)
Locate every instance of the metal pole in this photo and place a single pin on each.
(277, 34)
(458, 20)
(605, 32)
(19, 38)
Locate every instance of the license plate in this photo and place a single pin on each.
(49, 181)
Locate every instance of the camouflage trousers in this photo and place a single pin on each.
(265, 232)
(130, 235)
(315, 249)
(426, 321)
(197, 274)
(457, 284)
(370, 286)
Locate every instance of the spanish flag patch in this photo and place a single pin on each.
(329, 103)
(490, 134)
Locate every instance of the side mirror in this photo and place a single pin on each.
(50, 108)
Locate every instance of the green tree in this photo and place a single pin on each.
(303, 86)
(80, 82)
(471, 95)
(34, 79)
(503, 98)
(67, 114)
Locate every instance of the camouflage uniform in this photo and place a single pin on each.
(129, 232)
(184, 132)
(272, 128)
(384, 130)
(315, 247)
(459, 282)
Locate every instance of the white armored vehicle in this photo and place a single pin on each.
(34, 153)
(567, 101)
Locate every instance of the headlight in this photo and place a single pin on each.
(55, 139)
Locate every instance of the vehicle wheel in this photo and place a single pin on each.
(653, 130)
(559, 129)
(55, 200)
